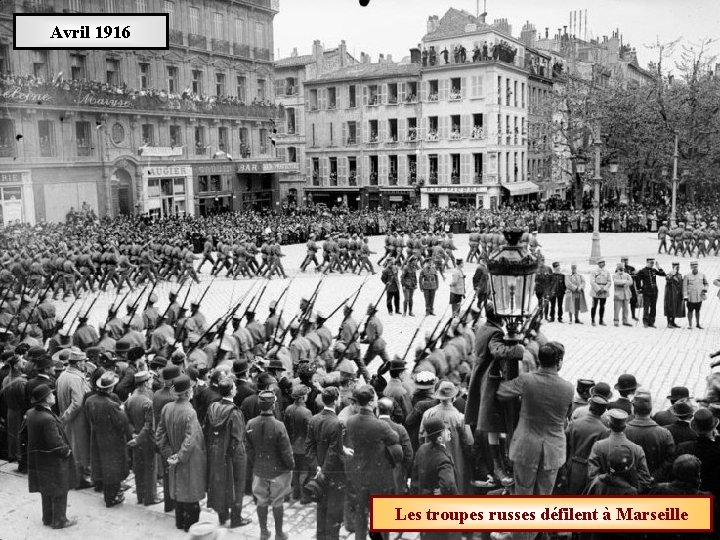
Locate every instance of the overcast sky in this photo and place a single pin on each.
(393, 26)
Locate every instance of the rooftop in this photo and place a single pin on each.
(370, 71)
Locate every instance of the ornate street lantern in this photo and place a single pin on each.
(614, 166)
(664, 172)
(512, 271)
(580, 164)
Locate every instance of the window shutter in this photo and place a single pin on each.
(308, 171)
(382, 130)
(444, 83)
(359, 132)
(402, 129)
(365, 95)
(465, 128)
(443, 127)
(365, 171)
(424, 129)
(344, 139)
(442, 174)
(342, 170)
(383, 165)
(465, 168)
(422, 167)
(402, 170)
(424, 89)
(463, 89)
(401, 92)
(383, 93)
(324, 166)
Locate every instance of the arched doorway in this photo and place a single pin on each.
(122, 192)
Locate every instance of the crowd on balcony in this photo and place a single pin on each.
(69, 92)
(501, 50)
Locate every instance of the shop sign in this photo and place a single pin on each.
(11, 178)
(267, 167)
(455, 189)
(89, 99)
(214, 169)
(161, 151)
(175, 170)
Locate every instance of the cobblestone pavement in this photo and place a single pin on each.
(660, 358)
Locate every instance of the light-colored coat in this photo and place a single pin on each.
(600, 283)
(575, 289)
(622, 282)
(539, 439)
(71, 389)
(695, 287)
(457, 282)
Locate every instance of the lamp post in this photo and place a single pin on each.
(595, 254)
(673, 208)
(512, 272)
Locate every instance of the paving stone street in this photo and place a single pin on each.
(660, 358)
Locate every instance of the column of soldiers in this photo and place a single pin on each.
(685, 239)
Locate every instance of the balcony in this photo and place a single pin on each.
(432, 136)
(83, 151)
(412, 135)
(316, 178)
(261, 54)
(478, 179)
(197, 42)
(392, 100)
(455, 135)
(332, 106)
(200, 148)
(351, 140)
(393, 180)
(352, 179)
(433, 178)
(240, 49)
(477, 133)
(433, 97)
(220, 45)
(455, 180)
(392, 140)
(374, 100)
(176, 37)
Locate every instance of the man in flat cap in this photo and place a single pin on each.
(273, 463)
(139, 410)
(656, 441)
(72, 386)
(598, 462)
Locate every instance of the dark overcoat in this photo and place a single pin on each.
(110, 431)
(674, 304)
(226, 456)
(51, 469)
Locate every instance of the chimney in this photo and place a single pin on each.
(294, 53)
(389, 59)
(364, 58)
(547, 32)
(528, 35)
(432, 24)
(317, 50)
(342, 51)
(415, 57)
(381, 58)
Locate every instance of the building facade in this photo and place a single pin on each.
(290, 76)
(183, 131)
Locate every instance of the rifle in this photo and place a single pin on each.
(37, 303)
(168, 307)
(285, 290)
(412, 339)
(62, 321)
(431, 341)
(532, 324)
(151, 293)
(356, 294)
(116, 308)
(7, 293)
(274, 337)
(252, 307)
(202, 297)
(313, 298)
(76, 315)
(357, 332)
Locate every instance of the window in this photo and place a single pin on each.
(77, 67)
(352, 171)
(239, 31)
(352, 96)
(140, 6)
(219, 84)
(172, 77)
(261, 89)
(148, 135)
(332, 98)
(169, 8)
(374, 168)
(374, 93)
(412, 134)
(263, 133)
(393, 129)
(260, 35)
(197, 75)
(203, 184)
(40, 65)
(46, 135)
(455, 127)
(393, 93)
(223, 139)
(145, 75)
(478, 123)
(478, 168)
(292, 154)
(433, 134)
(373, 131)
(515, 94)
(153, 187)
(194, 20)
(179, 186)
(7, 137)
(333, 171)
(455, 171)
(433, 163)
(219, 27)
(175, 136)
(393, 170)
(241, 84)
(499, 90)
(74, 6)
(82, 138)
(200, 140)
(313, 100)
(290, 112)
(110, 6)
(352, 133)
(455, 88)
(112, 71)
(433, 90)
(412, 169)
(508, 92)
(244, 142)
(410, 92)
(315, 171)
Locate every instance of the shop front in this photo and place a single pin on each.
(398, 198)
(214, 188)
(257, 186)
(16, 198)
(168, 191)
(334, 197)
(521, 191)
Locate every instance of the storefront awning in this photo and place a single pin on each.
(521, 188)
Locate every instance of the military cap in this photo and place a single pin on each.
(583, 385)
(181, 383)
(267, 397)
(617, 417)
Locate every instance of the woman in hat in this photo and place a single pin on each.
(110, 430)
(461, 438)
